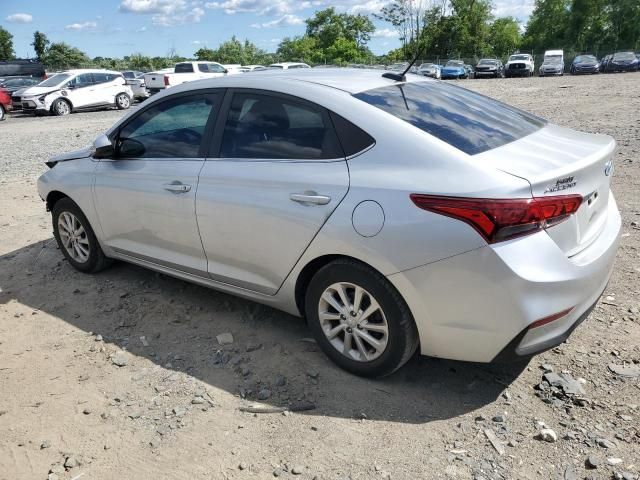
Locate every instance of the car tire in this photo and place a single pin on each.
(76, 238)
(61, 107)
(123, 101)
(391, 326)
(2, 113)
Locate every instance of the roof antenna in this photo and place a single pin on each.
(401, 77)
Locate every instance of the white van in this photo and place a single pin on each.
(553, 63)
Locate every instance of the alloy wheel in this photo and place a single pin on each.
(353, 321)
(123, 101)
(62, 108)
(73, 237)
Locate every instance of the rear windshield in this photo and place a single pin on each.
(465, 120)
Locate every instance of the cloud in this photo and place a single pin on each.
(19, 18)
(81, 27)
(285, 21)
(164, 12)
(262, 7)
(385, 33)
(520, 9)
(141, 29)
(371, 6)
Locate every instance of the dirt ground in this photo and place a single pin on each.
(172, 410)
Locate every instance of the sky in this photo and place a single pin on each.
(115, 28)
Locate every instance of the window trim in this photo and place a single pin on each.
(208, 129)
(225, 110)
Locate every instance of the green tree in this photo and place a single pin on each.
(40, 44)
(547, 26)
(299, 49)
(205, 54)
(6, 45)
(504, 36)
(62, 55)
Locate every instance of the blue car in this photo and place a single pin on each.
(585, 64)
(622, 62)
(454, 69)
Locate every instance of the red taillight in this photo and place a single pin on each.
(166, 81)
(551, 318)
(501, 219)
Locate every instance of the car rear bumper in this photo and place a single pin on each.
(480, 305)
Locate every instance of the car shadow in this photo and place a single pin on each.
(271, 350)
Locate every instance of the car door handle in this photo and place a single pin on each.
(310, 198)
(177, 187)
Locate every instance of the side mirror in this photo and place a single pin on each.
(102, 147)
(130, 148)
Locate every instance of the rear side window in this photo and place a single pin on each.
(211, 68)
(465, 120)
(104, 77)
(352, 139)
(183, 68)
(270, 127)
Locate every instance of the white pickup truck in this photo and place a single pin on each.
(183, 72)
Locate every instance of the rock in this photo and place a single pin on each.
(57, 468)
(546, 367)
(120, 358)
(498, 419)
(87, 411)
(70, 462)
(313, 373)
(224, 338)
(297, 469)
(604, 443)
(252, 347)
(53, 476)
(144, 341)
(264, 394)
(198, 400)
(98, 338)
(497, 444)
(280, 381)
(547, 435)
(629, 476)
(614, 461)
(592, 462)
(245, 372)
(243, 466)
(630, 371)
(155, 442)
(45, 444)
(179, 411)
(277, 472)
(570, 473)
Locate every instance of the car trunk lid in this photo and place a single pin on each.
(561, 161)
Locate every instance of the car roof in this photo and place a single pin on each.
(350, 80)
(78, 71)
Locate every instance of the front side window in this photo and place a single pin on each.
(172, 129)
(211, 68)
(270, 127)
(464, 119)
(80, 81)
(103, 77)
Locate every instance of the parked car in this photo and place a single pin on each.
(454, 69)
(622, 62)
(254, 68)
(585, 64)
(21, 68)
(183, 72)
(552, 64)
(429, 70)
(519, 65)
(5, 103)
(604, 62)
(397, 67)
(489, 67)
(135, 80)
(75, 90)
(350, 227)
(13, 84)
(288, 65)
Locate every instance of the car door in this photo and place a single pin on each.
(80, 90)
(278, 176)
(145, 195)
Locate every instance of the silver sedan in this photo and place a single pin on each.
(396, 215)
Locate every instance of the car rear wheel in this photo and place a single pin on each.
(61, 107)
(2, 113)
(359, 320)
(123, 101)
(76, 239)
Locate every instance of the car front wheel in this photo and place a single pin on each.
(123, 101)
(2, 113)
(76, 239)
(61, 107)
(359, 319)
